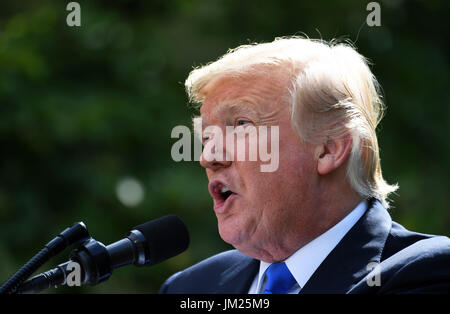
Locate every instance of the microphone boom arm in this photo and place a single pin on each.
(147, 244)
(96, 261)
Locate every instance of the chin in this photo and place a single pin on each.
(229, 236)
(231, 232)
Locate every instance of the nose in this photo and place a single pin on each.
(214, 154)
(213, 163)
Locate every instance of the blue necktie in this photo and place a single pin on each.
(279, 279)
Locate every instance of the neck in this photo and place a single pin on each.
(326, 213)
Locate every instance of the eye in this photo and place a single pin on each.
(242, 122)
(205, 139)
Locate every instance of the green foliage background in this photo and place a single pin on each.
(83, 107)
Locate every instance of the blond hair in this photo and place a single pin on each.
(332, 93)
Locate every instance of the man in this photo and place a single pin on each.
(318, 223)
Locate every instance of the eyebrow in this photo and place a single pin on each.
(232, 107)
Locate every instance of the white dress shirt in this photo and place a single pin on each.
(304, 262)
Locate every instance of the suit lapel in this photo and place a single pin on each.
(347, 263)
(239, 276)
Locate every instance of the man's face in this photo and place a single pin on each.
(265, 211)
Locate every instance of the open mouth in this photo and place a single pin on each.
(220, 193)
(224, 193)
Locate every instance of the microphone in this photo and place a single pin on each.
(147, 244)
(151, 243)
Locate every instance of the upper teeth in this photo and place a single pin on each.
(224, 189)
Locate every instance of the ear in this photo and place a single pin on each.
(333, 154)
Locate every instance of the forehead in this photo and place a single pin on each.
(258, 93)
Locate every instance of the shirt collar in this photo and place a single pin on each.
(304, 262)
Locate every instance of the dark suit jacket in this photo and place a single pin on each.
(408, 262)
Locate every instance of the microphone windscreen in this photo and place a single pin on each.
(166, 237)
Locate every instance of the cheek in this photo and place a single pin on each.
(296, 158)
(264, 190)
(293, 178)
(262, 187)
(295, 174)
